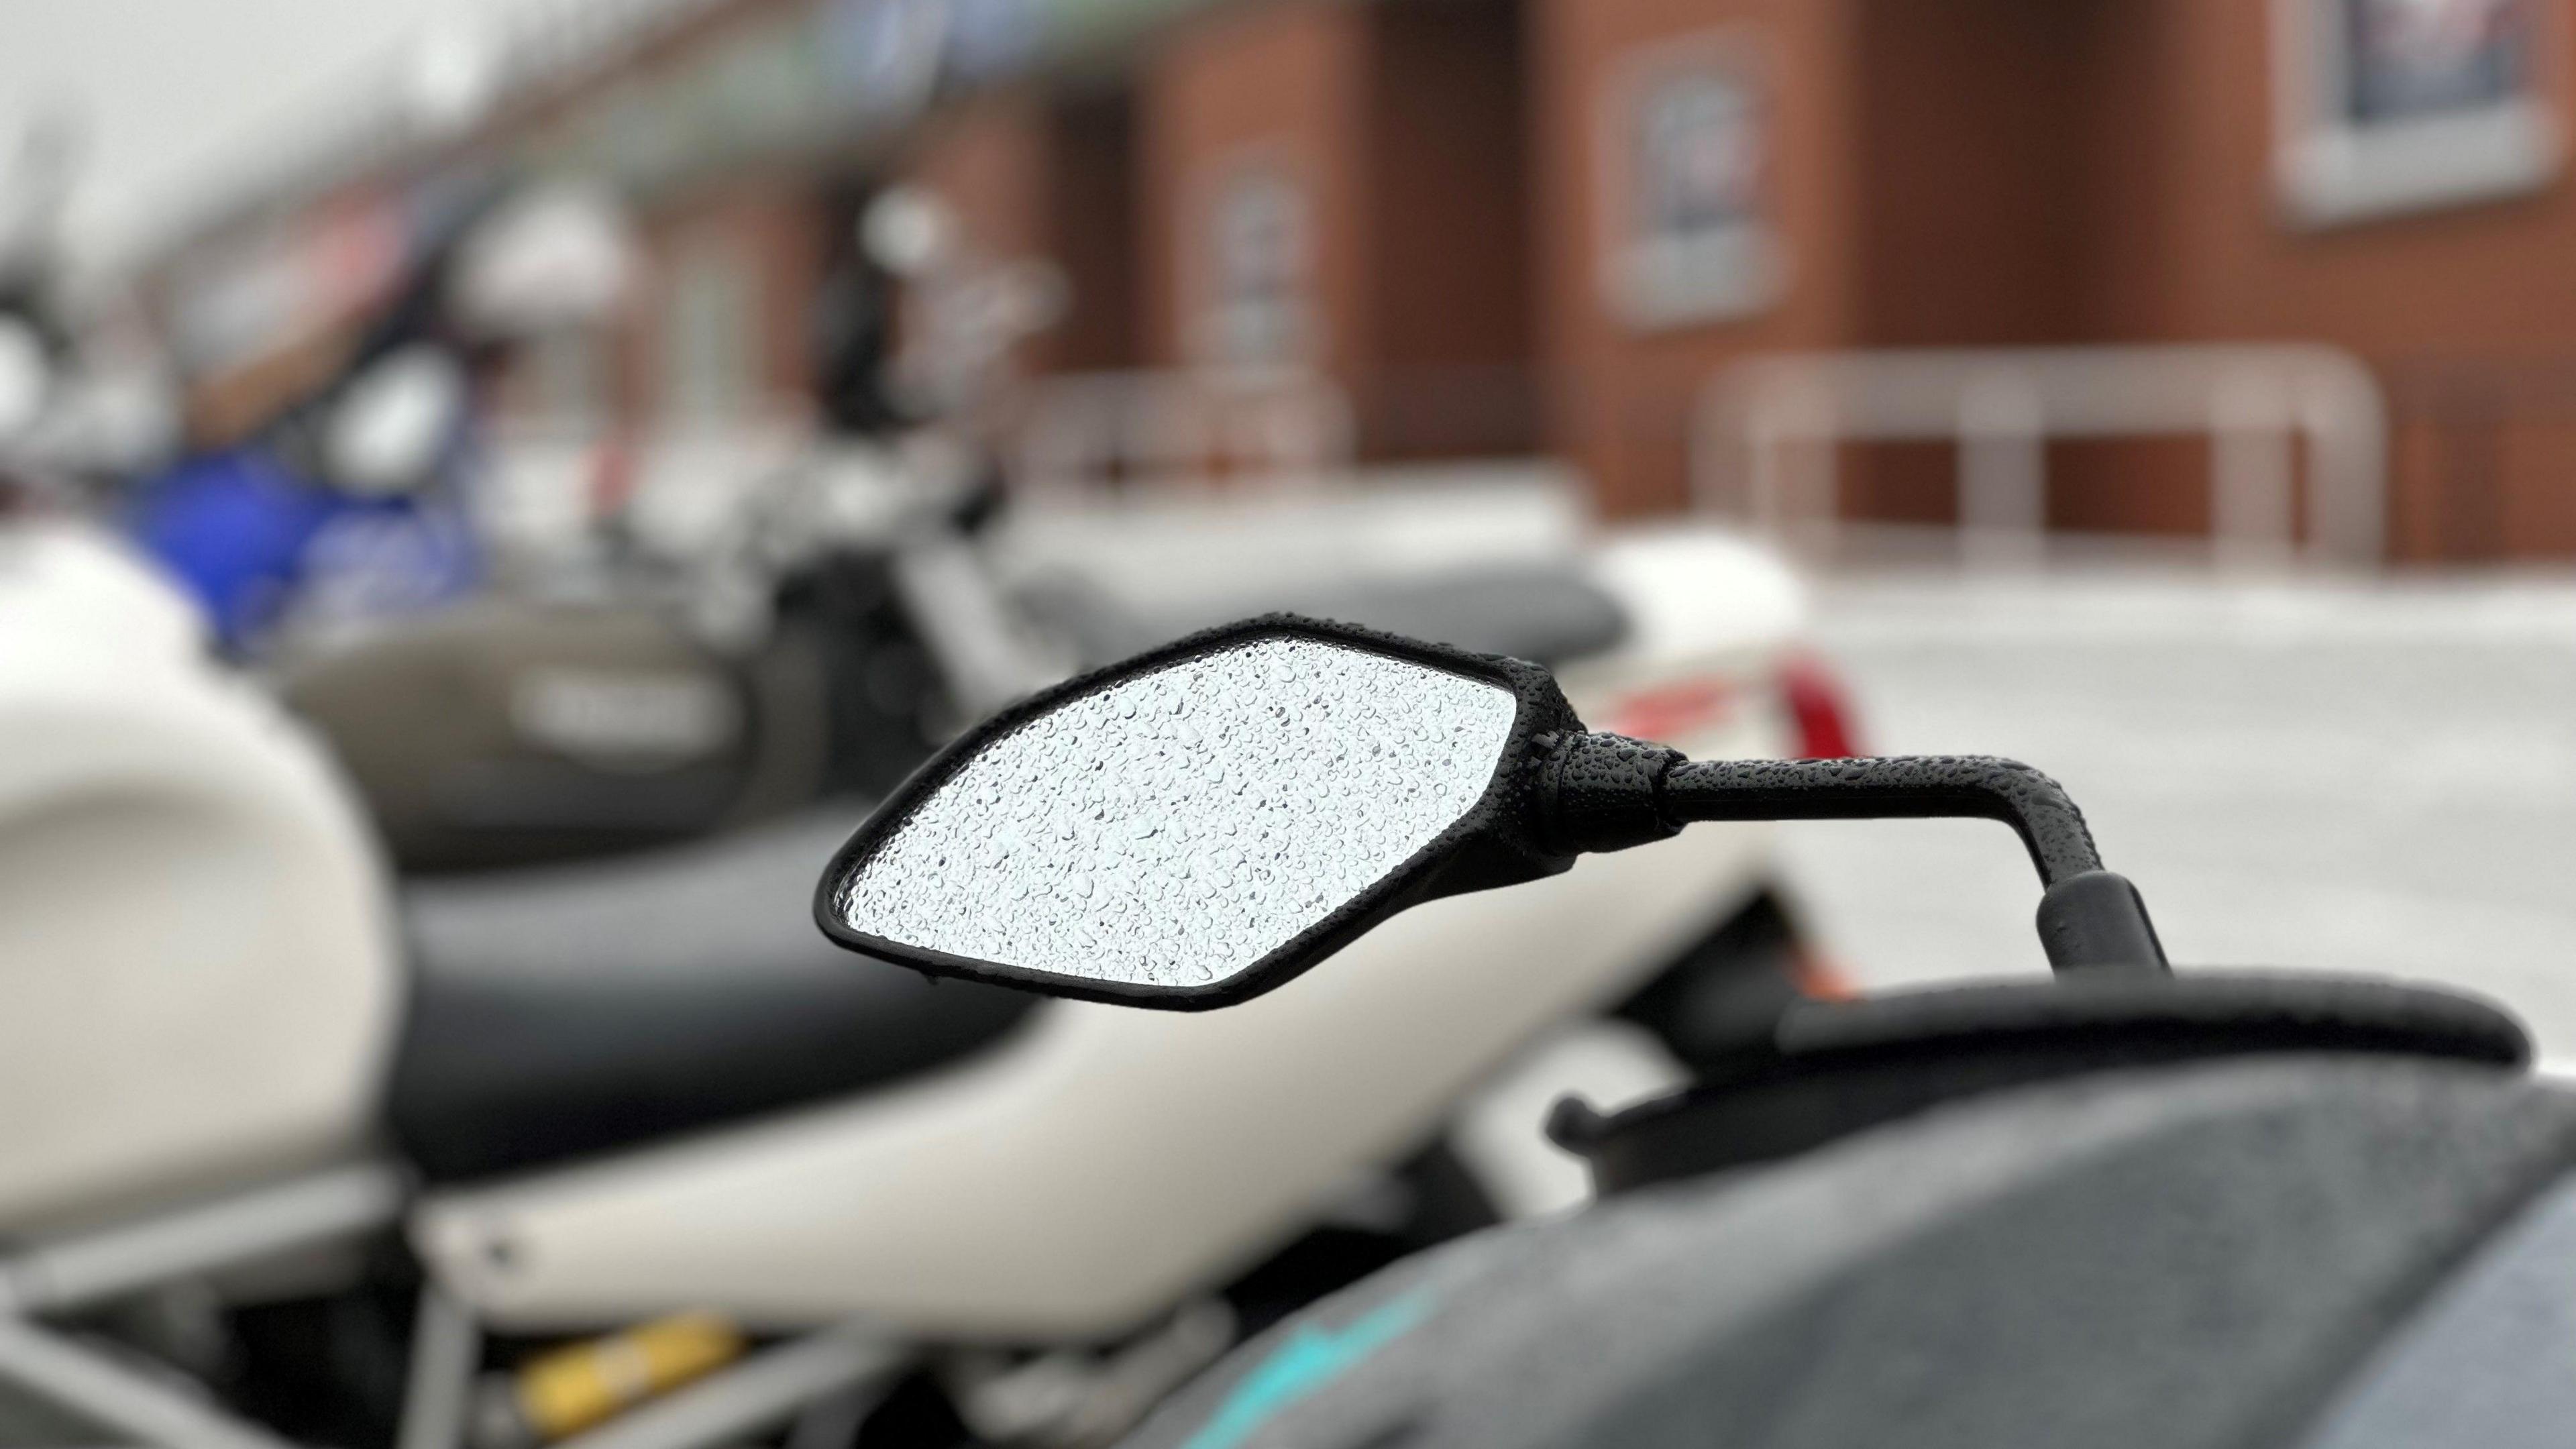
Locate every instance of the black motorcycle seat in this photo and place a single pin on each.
(2190, 1257)
(566, 1011)
(1546, 613)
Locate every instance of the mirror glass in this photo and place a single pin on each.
(1177, 826)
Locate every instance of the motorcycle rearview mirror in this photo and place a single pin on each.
(1202, 823)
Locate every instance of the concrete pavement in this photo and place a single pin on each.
(2305, 773)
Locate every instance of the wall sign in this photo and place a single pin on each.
(1686, 161)
(1258, 253)
(2388, 106)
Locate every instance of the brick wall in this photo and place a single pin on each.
(1967, 172)
(1277, 86)
(1622, 394)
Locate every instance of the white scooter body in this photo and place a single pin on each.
(207, 982)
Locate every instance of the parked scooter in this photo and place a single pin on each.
(313, 1161)
(2118, 1207)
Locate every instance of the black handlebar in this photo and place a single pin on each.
(1606, 792)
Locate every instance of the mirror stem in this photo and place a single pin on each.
(1606, 792)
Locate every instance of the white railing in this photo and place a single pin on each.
(1766, 431)
(1086, 432)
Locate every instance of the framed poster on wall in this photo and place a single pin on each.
(1686, 163)
(2390, 106)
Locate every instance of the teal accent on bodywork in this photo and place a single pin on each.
(1312, 1357)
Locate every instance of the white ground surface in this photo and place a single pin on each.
(2377, 777)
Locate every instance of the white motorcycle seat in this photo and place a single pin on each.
(567, 1011)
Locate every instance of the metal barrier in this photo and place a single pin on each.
(1092, 431)
(1766, 431)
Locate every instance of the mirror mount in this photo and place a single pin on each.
(1605, 792)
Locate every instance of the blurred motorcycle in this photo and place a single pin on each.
(816, 647)
(866, 600)
(351, 504)
(318, 1161)
(2121, 1206)
(812, 656)
(599, 709)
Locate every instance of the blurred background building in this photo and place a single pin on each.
(1506, 227)
(634, 434)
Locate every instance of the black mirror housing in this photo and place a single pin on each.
(1497, 841)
